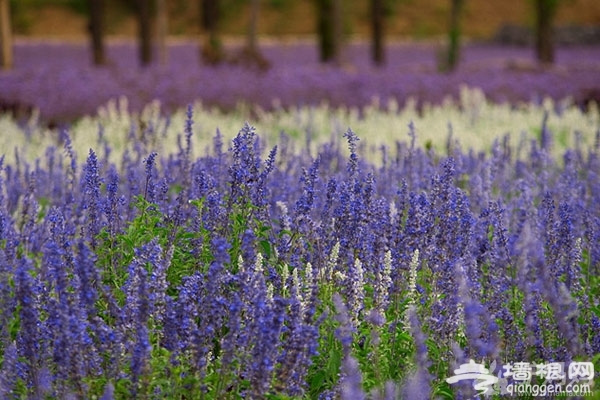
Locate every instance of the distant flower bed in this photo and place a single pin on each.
(58, 79)
(148, 268)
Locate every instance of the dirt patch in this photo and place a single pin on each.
(56, 21)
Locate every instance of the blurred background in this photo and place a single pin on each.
(407, 19)
(67, 57)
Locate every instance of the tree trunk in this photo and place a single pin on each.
(544, 39)
(250, 55)
(212, 48)
(252, 25)
(377, 20)
(325, 30)
(329, 27)
(338, 31)
(454, 35)
(145, 31)
(6, 56)
(96, 27)
(162, 30)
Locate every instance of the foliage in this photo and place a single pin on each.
(301, 274)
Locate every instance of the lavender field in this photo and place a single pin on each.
(58, 78)
(339, 250)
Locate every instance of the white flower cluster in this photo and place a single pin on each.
(471, 120)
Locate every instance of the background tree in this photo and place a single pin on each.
(96, 29)
(212, 48)
(144, 14)
(453, 54)
(250, 54)
(162, 30)
(377, 31)
(329, 28)
(6, 56)
(252, 26)
(544, 40)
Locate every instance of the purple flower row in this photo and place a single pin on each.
(58, 78)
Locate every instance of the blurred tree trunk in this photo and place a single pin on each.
(145, 31)
(6, 56)
(96, 27)
(252, 25)
(454, 35)
(250, 55)
(544, 42)
(329, 27)
(212, 48)
(162, 30)
(377, 21)
(338, 31)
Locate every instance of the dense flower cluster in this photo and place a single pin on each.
(317, 275)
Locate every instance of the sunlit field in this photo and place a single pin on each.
(273, 249)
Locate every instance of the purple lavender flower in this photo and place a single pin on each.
(248, 240)
(260, 194)
(267, 322)
(536, 323)
(565, 311)
(9, 373)
(330, 195)
(91, 201)
(7, 235)
(213, 309)
(418, 384)
(112, 202)
(29, 335)
(234, 341)
(356, 291)
(72, 171)
(299, 343)
(352, 145)
(309, 179)
(109, 392)
(187, 309)
(594, 341)
(139, 357)
(244, 171)
(346, 329)
(351, 380)
(150, 186)
(569, 251)
(493, 251)
(144, 297)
